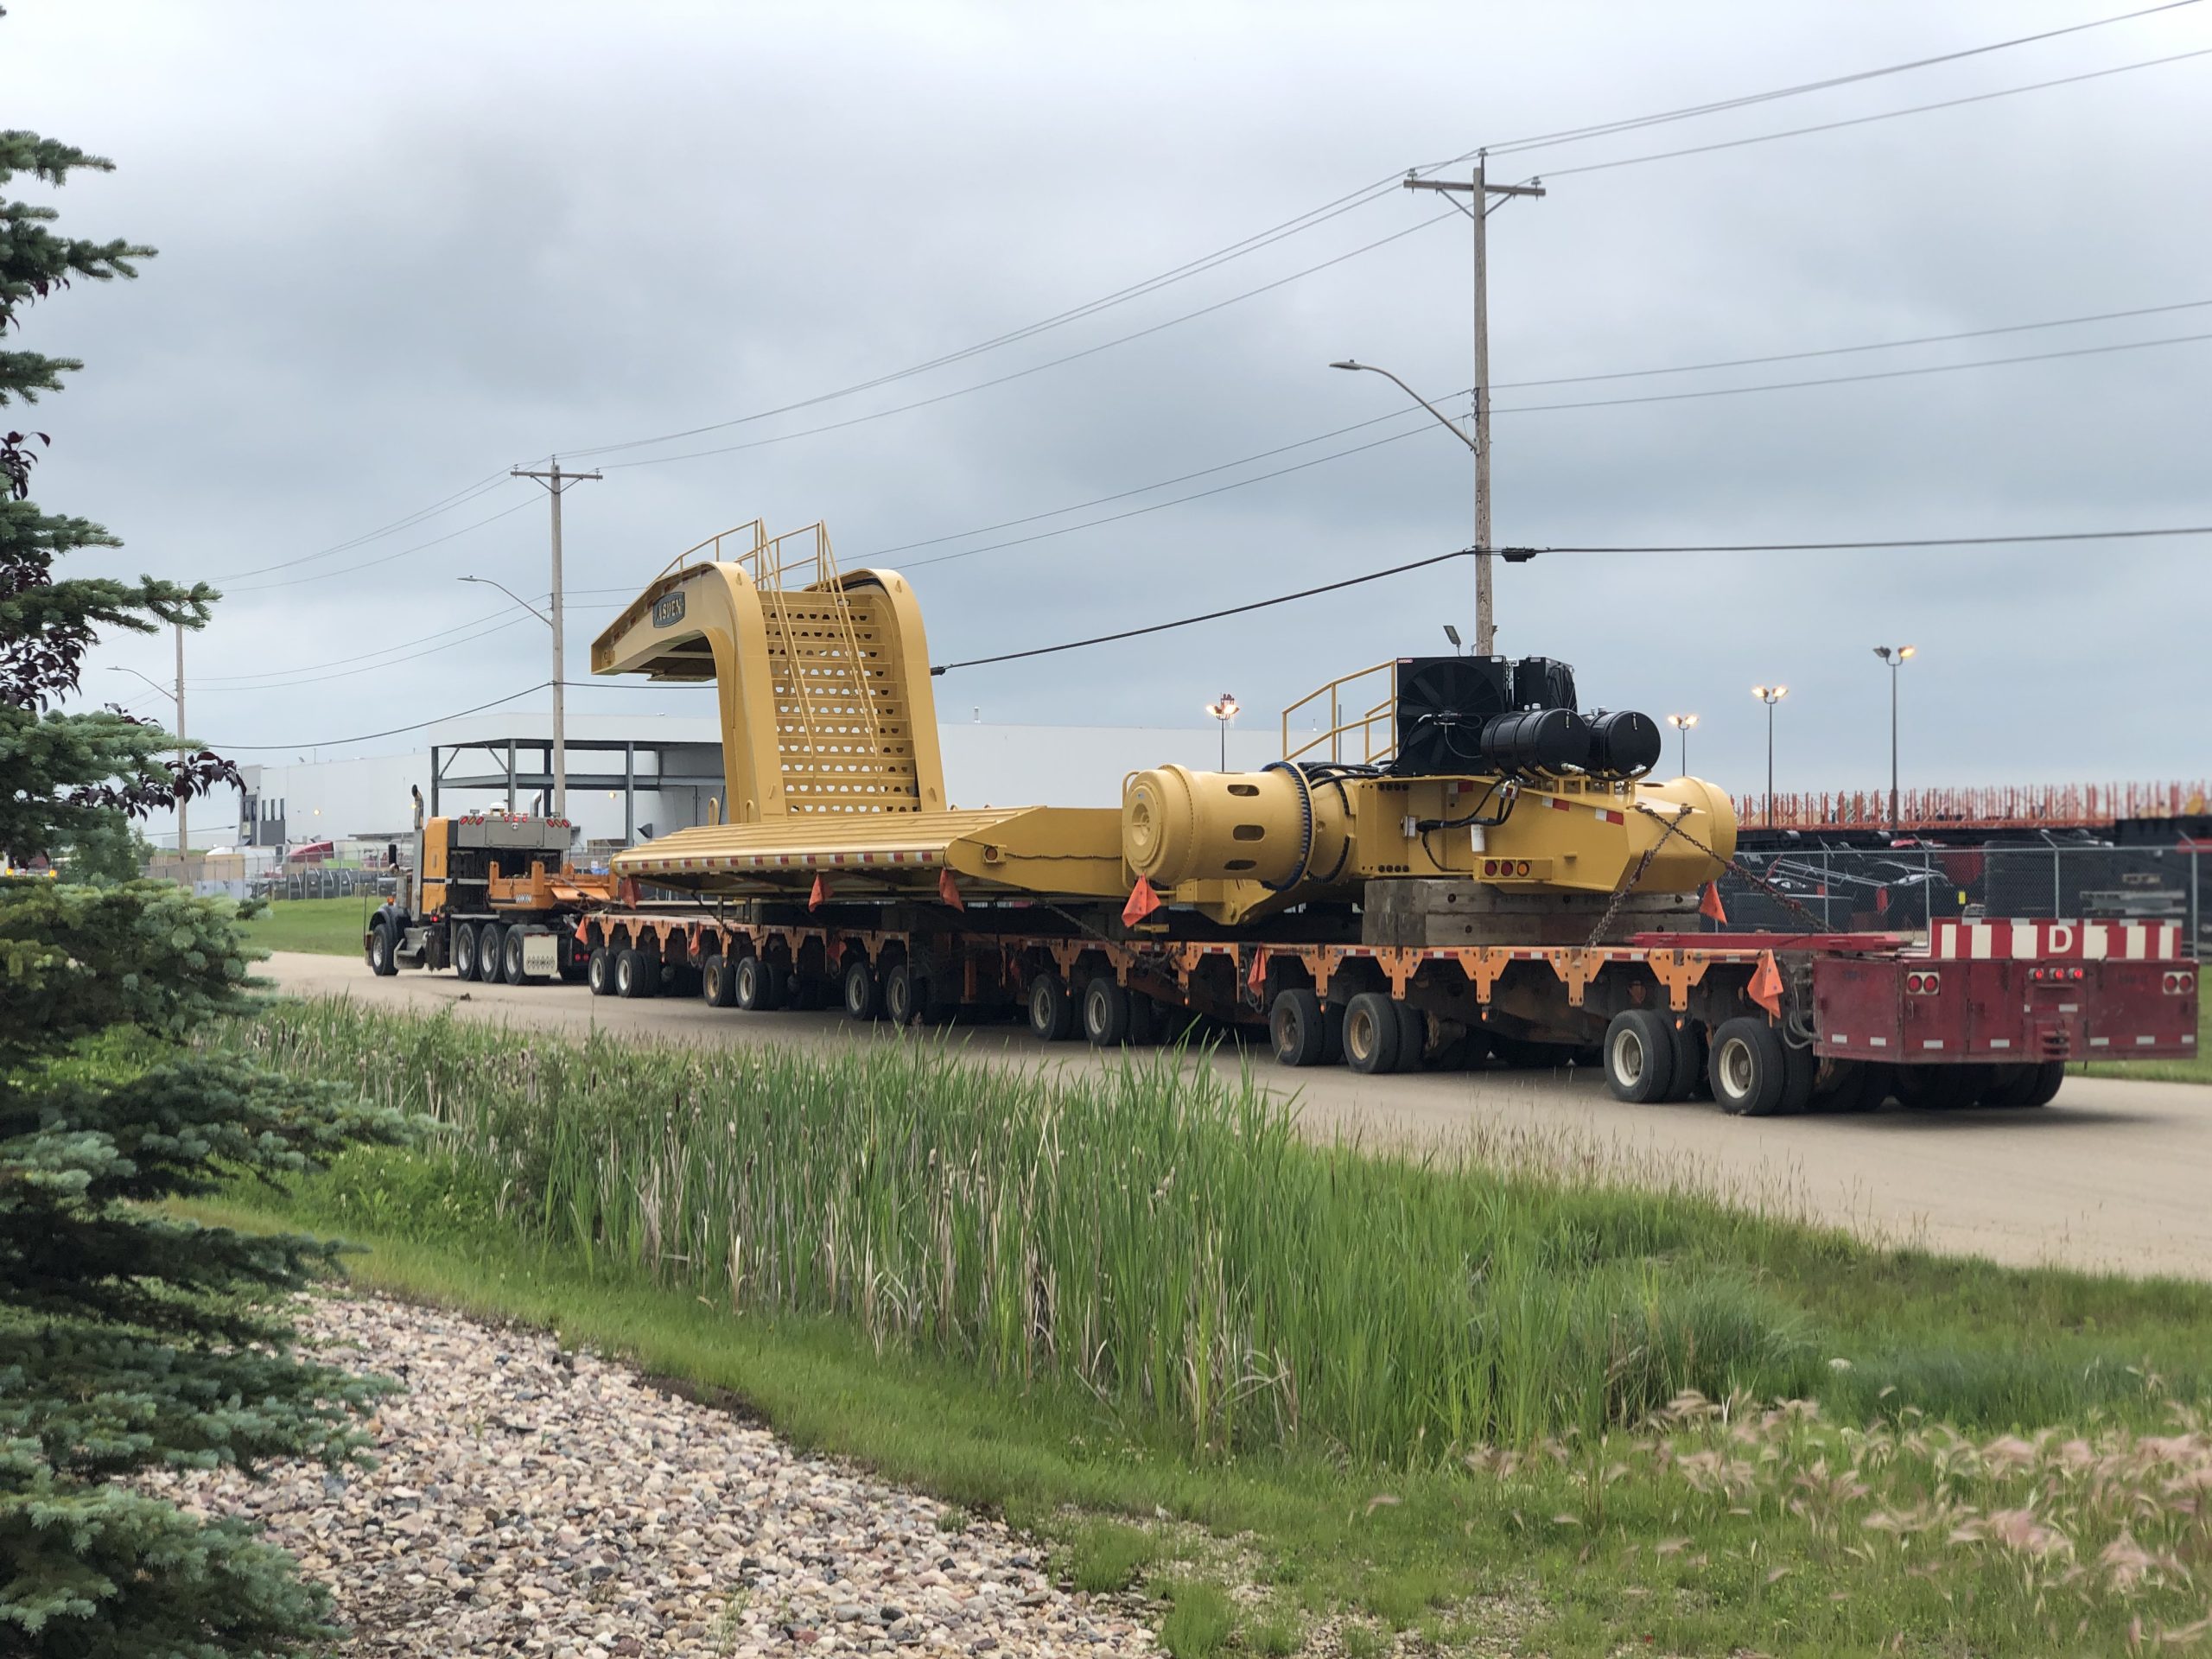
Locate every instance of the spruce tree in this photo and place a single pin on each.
(130, 1339)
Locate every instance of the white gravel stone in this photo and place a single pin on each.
(532, 1501)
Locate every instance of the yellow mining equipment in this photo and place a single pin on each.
(830, 746)
(1427, 785)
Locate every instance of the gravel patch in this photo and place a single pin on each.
(530, 1500)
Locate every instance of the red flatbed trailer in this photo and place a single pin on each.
(1984, 1012)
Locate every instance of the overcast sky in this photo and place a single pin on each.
(404, 247)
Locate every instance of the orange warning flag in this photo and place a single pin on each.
(1142, 902)
(948, 890)
(820, 896)
(1766, 985)
(1258, 977)
(1711, 905)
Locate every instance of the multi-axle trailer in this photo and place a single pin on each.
(1764, 1023)
(1454, 862)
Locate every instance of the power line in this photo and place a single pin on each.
(1607, 128)
(339, 661)
(366, 737)
(370, 564)
(370, 668)
(1863, 120)
(1035, 368)
(1520, 555)
(1846, 351)
(444, 504)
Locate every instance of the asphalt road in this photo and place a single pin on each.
(2111, 1175)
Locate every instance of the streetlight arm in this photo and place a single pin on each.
(1448, 423)
(486, 581)
(118, 668)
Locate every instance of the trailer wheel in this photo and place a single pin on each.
(715, 989)
(598, 971)
(510, 958)
(1688, 1081)
(1298, 1028)
(1373, 1033)
(380, 947)
(1640, 1056)
(1940, 1088)
(2048, 1078)
(464, 951)
(1748, 1065)
(636, 973)
(751, 986)
(1105, 1012)
(863, 995)
(1051, 1015)
(1852, 1086)
(1413, 1035)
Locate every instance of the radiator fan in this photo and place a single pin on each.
(1443, 704)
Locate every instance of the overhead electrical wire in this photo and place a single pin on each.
(1609, 128)
(386, 558)
(1327, 211)
(337, 661)
(1035, 368)
(1515, 554)
(370, 668)
(1864, 120)
(393, 731)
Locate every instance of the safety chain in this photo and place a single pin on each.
(1819, 923)
(1606, 922)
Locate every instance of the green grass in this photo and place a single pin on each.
(2196, 1069)
(1341, 1464)
(327, 927)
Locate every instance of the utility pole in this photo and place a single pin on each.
(1478, 192)
(183, 834)
(556, 481)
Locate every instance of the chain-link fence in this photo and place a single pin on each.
(1904, 889)
(324, 881)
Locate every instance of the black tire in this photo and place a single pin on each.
(716, 989)
(2048, 1077)
(901, 995)
(1639, 1053)
(381, 948)
(464, 949)
(1372, 1034)
(1849, 1086)
(636, 973)
(751, 986)
(1748, 1066)
(1413, 1035)
(1688, 1080)
(1105, 1012)
(861, 992)
(598, 971)
(1298, 1028)
(1801, 1070)
(1051, 1015)
(1940, 1088)
(511, 968)
(490, 945)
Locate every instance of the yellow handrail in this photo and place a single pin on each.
(1383, 713)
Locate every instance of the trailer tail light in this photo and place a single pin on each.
(1920, 984)
(2054, 975)
(2180, 984)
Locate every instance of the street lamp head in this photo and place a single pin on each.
(1348, 363)
(1905, 652)
(1224, 708)
(1451, 633)
(1682, 722)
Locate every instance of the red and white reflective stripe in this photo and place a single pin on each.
(2036, 941)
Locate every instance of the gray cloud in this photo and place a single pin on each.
(400, 252)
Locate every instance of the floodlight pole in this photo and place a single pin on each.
(556, 481)
(1478, 191)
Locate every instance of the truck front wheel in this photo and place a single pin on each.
(380, 948)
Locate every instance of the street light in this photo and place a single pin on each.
(1224, 708)
(1483, 630)
(1895, 657)
(183, 810)
(1682, 724)
(1769, 695)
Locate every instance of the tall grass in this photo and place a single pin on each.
(1155, 1235)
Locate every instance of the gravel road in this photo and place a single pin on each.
(2111, 1176)
(530, 1500)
